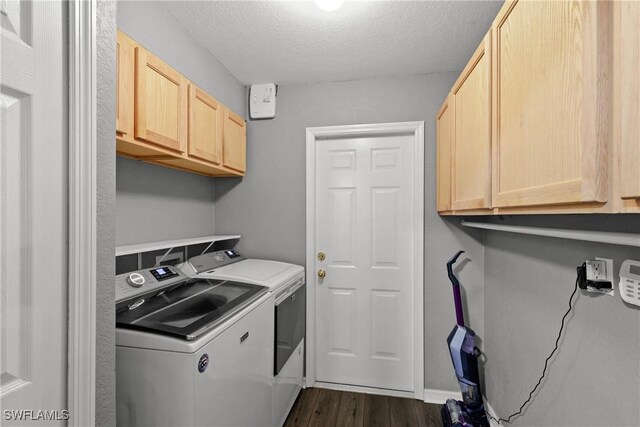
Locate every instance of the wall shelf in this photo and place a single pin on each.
(145, 247)
(612, 238)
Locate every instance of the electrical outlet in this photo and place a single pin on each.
(608, 269)
(596, 270)
(599, 276)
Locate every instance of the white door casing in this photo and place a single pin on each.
(33, 209)
(365, 212)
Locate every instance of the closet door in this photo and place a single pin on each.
(160, 103)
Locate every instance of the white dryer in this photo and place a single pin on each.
(287, 285)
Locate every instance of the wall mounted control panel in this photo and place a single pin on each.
(133, 284)
(630, 281)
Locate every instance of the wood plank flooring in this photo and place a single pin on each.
(320, 407)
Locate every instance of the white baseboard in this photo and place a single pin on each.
(366, 390)
(489, 409)
(440, 396)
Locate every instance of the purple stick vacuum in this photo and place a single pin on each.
(464, 355)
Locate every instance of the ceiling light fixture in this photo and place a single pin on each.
(329, 5)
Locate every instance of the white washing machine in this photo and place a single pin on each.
(192, 352)
(287, 285)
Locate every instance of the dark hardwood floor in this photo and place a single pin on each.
(320, 407)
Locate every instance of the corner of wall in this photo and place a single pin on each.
(105, 212)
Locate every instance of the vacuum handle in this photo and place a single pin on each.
(457, 298)
(452, 277)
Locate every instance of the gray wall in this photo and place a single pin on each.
(268, 206)
(594, 379)
(155, 203)
(105, 210)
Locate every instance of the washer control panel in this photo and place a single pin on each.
(212, 260)
(130, 285)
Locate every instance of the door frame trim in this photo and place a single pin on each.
(416, 129)
(81, 377)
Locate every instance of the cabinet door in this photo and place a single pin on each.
(629, 38)
(160, 103)
(444, 136)
(235, 141)
(205, 126)
(124, 84)
(471, 150)
(550, 103)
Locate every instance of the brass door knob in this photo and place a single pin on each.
(321, 256)
(321, 273)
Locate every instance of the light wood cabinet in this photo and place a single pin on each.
(206, 117)
(628, 102)
(234, 141)
(444, 140)
(550, 103)
(125, 51)
(160, 103)
(163, 118)
(564, 103)
(471, 148)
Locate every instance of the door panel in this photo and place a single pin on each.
(205, 125)
(444, 142)
(550, 108)
(365, 215)
(125, 72)
(629, 16)
(33, 208)
(234, 141)
(471, 149)
(160, 102)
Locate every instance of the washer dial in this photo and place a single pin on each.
(135, 279)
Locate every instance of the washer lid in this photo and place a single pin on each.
(258, 271)
(189, 310)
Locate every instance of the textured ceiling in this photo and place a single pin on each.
(288, 42)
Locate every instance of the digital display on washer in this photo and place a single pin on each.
(231, 253)
(163, 273)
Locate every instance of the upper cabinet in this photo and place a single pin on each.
(471, 149)
(546, 113)
(125, 59)
(627, 19)
(163, 118)
(444, 141)
(206, 116)
(160, 103)
(234, 145)
(549, 104)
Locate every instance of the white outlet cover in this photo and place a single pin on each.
(608, 277)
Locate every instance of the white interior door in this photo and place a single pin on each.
(365, 215)
(33, 211)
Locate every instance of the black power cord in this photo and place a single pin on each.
(579, 279)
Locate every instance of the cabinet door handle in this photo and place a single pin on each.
(244, 337)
